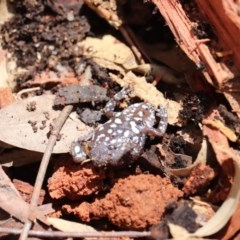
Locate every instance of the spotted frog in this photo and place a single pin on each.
(125, 133)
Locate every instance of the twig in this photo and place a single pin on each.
(129, 37)
(54, 234)
(43, 167)
(28, 90)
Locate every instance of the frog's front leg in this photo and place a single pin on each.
(80, 148)
(110, 106)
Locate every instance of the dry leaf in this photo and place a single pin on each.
(178, 232)
(234, 100)
(219, 144)
(222, 128)
(106, 10)
(19, 157)
(109, 49)
(26, 124)
(12, 202)
(69, 226)
(201, 158)
(223, 154)
(224, 213)
(147, 92)
(203, 210)
(233, 227)
(5, 14)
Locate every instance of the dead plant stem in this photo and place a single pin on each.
(43, 167)
(54, 234)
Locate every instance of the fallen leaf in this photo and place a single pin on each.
(12, 202)
(19, 157)
(109, 49)
(149, 93)
(222, 128)
(234, 100)
(219, 143)
(224, 213)
(232, 228)
(29, 128)
(106, 10)
(178, 232)
(69, 226)
(201, 158)
(5, 14)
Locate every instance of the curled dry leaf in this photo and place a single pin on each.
(232, 228)
(219, 143)
(27, 124)
(19, 157)
(201, 158)
(224, 213)
(223, 154)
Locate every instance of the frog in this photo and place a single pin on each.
(125, 133)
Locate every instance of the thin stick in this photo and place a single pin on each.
(54, 234)
(43, 167)
(125, 32)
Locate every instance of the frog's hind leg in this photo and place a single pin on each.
(162, 113)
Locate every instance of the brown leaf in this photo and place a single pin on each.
(219, 143)
(27, 123)
(11, 201)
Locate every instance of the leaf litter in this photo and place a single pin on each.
(30, 125)
(98, 66)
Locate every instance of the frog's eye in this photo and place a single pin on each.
(79, 152)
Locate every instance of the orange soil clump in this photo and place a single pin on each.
(73, 181)
(135, 202)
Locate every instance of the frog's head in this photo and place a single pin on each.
(80, 152)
